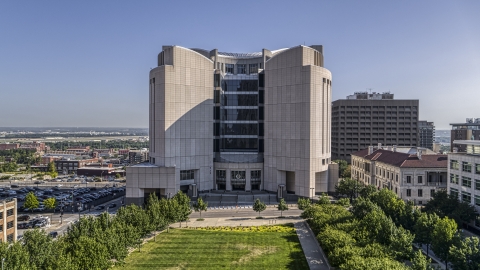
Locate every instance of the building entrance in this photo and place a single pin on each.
(238, 180)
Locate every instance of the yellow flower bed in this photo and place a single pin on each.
(274, 228)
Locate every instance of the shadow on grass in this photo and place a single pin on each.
(298, 260)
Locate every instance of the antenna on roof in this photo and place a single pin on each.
(370, 90)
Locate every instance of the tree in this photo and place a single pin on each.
(420, 261)
(90, 254)
(52, 171)
(282, 206)
(466, 254)
(259, 206)
(345, 202)
(303, 203)
(348, 187)
(443, 237)
(184, 209)
(324, 199)
(200, 206)
(424, 229)
(31, 201)
(118, 176)
(50, 203)
(368, 191)
(342, 168)
(444, 204)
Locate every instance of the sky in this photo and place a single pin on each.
(86, 63)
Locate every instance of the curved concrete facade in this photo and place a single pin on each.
(236, 121)
(297, 121)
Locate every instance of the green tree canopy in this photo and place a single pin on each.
(348, 187)
(50, 203)
(184, 208)
(31, 201)
(200, 206)
(303, 203)
(443, 237)
(282, 206)
(466, 254)
(259, 206)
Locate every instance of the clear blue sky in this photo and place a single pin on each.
(86, 63)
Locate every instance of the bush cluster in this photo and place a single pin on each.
(288, 228)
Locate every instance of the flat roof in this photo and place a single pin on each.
(467, 142)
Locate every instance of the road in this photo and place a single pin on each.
(246, 212)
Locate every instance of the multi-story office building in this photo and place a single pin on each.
(470, 130)
(237, 121)
(365, 119)
(411, 176)
(137, 156)
(67, 166)
(464, 171)
(8, 219)
(426, 134)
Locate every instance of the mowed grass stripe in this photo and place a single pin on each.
(199, 249)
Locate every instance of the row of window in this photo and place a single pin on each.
(187, 175)
(239, 175)
(420, 192)
(466, 166)
(466, 181)
(241, 68)
(465, 196)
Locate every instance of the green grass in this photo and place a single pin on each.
(203, 249)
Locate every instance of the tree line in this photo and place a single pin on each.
(377, 231)
(96, 243)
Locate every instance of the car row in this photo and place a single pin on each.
(37, 222)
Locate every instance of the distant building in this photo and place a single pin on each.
(137, 156)
(107, 172)
(464, 172)
(79, 150)
(37, 146)
(365, 119)
(8, 209)
(411, 176)
(9, 146)
(65, 166)
(426, 134)
(470, 130)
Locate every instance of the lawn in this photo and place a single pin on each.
(216, 249)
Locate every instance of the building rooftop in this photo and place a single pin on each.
(404, 160)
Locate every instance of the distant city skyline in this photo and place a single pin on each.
(65, 64)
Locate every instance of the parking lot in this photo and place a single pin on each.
(71, 200)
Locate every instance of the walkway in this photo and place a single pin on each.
(311, 248)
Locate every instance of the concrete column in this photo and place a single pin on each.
(5, 221)
(15, 220)
(248, 184)
(229, 182)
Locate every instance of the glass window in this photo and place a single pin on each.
(229, 68)
(187, 175)
(10, 237)
(252, 68)
(466, 166)
(241, 69)
(9, 212)
(237, 175)
(477, 168)
(9, 225)
(454, 192)
(454, 164)
(432, 192)
(477, 184)
(466, 181)
(239, 114)
(466, 197)
(409, 179)
(477, 200)
(221, 174)
(409, 192)
(240, 100)
(420, 179)
(240, 85)
(239, 129)
(454, 178)
(234, 144)
(420, 193)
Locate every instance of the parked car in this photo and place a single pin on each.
(38, 182)
(14, 186)
(100, 207)
(23, 218)
(112, 205)
(53, 234)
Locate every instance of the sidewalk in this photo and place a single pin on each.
(313, 253)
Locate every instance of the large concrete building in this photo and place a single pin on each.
(237, 121)
(464, 171)
(426, 134)
(412, 176)
(470, 130)
(364, 119)
(8, 220)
